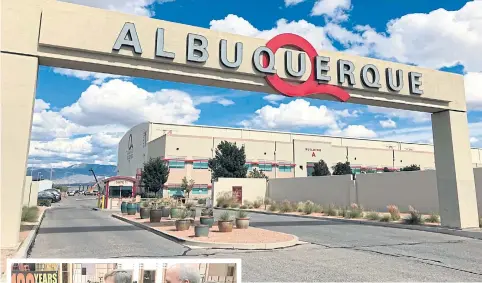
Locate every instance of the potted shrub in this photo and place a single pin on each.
(192, 208)
(242, 220)
(145, 210)
(201, 230)
(131, 208)
(207, 217)
(124, 207)
(183, 222)
(225, 222)
(176, 210)
(155, 214)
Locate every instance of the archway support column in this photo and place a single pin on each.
(455, 176)
(18, 85)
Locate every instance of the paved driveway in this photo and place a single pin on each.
(333, 251)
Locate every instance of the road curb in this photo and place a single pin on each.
(237, 246)
(472, 233)
(27, 244)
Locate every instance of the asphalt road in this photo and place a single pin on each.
(333, 251)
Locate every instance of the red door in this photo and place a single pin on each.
(238, 194)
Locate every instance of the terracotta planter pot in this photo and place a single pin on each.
(145, 212)
(207, 220)
(201, 231)
(225, 226)
(183, 224)
(242, 223)
(155, 215)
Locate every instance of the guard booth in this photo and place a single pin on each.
(117, 189)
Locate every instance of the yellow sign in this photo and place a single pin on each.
(34, 276)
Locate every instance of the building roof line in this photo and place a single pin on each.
(291, 133)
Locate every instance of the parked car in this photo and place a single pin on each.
(44, 195)
(71, 193)
(58, 196)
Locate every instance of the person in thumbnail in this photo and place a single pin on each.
(183, 273)
(118, 276)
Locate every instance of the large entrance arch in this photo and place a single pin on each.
(47, 32)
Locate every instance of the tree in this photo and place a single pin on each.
(257, 174)
(229, 161)
(154, 175)
(342, 169)
(320, 169)
(412, 167)
(187, 186)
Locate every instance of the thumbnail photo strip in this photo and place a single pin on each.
(124, 270)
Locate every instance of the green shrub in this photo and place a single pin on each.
(309, 207)
(331, 211)
(274, 207)
(355, 211)
(201, 201)
(372, 215)
(224, 200)
(299, 206)
(285, 207)
(433, 218)
(386, 218)
(343, 212)
(257, 204)
(44, 202)
(225, 205)
(208, 211)
(414, 217)
(243, 206)
(250, 206)
(184, 214)
(394, 212)
(226, 216)
(242, 214)
(29, 214)
(234, 205)
(318, 208)
(247, 203)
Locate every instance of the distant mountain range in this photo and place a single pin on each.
(75, 174)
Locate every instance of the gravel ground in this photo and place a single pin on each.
(333, 251)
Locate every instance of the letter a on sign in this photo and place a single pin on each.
(313, 154)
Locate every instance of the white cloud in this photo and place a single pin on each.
(388, 123)
(274, 98)
(136, 7)
(123, 103)
(417, 117)
(345, 113)
(96, 78)
(473, 90)
(292, 2)
(354, 131)
(334, 10)
(212, 99)
(474, 140)
(295, 114)
(237, 25)
(88, 131)
(438, 39)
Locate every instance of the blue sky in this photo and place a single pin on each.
(76, 121)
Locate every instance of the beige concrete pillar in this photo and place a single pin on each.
(455, 177)
(17, 92)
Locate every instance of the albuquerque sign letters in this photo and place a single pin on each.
(263, 60)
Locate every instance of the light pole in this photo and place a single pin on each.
(39, 175)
